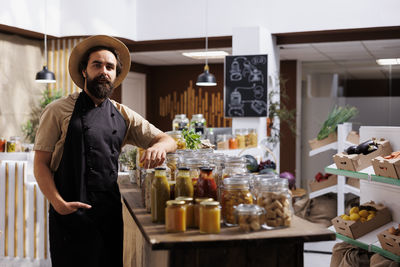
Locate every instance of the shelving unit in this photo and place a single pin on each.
(380, 189)
(341, 188)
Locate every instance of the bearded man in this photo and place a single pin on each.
(76, 156)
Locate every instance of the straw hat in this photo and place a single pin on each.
(98, 40)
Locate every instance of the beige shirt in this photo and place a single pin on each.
(55, 119)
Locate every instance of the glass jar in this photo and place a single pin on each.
(253, 138)
(160, 194)
(234, 165)
(239, 133)
(11, 145)
(3, 142)
(178, 137)
(139, 155)
(249, 217)
(257, 182)
(198, 123)
(196, 214)
(172, 163)
(206, 186)
(184, 184)
(18, 144)
(274, 197)
(236, 191)
(233, 142)
(175, 216)
(223, 141)
(180, 122)
(147, 188)
(189, 210)
(194, 165)
(210, 217)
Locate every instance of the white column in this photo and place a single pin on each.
(252, 41)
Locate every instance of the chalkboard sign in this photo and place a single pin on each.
(246, 90)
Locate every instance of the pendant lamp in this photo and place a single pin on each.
(45, 76)
(206, 78)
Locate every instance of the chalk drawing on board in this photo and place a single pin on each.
(249, 69)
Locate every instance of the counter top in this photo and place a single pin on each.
(300, 230)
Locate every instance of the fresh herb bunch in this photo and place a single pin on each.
(128, 157)
(192, 138)
(337, 116)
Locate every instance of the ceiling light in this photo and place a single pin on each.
(203, 55)
(388, 61)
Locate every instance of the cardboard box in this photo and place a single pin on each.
(315, 186)
(354, 182)
(314, 144)
(356, 229)
(353, 137)
(390, 242)
(386, 167)
(356, 162)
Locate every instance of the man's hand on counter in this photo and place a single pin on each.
(155, 155)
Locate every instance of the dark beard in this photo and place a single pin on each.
(99, 90)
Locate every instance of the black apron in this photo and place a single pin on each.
(88, 173)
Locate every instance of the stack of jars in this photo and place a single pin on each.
(14, 144)
(241, 139)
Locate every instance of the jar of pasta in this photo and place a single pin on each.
(175, 216)
(249, 217)
(240, 137)
(210, 217)
(235, 191)
(274, 197)
(189, 210)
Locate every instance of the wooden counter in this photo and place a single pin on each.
(147, 243)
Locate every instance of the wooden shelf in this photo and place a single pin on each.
(321, 149)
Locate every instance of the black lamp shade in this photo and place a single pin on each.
(206, 79)
(45, 76)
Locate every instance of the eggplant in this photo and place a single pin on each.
(367, 147)
(352, 150)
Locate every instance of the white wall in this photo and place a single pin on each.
(159, 19)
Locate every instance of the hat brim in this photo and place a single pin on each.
(98, 40)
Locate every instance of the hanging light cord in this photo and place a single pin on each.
(206, 15)
(45, 35)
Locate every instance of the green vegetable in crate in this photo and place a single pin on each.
(337, 116)
(252, 164)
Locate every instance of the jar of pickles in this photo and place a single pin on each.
(235, 191)
(196, 213)
(184, 184)
(180, 122)
(11, 146)
(274, 197)
(189, 210)
(172, 163)
(249, 217)
(198, 123)
(175, 216)
(210, 217)
(234, 165)
(160, 194)
(206, 186)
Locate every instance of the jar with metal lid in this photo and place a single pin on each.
(18, 144)
(234, 165)
(184, 183)
(11, 146)
(178, 137)
(198, 123)
(172, 163)
(235, 191)
(194, 165)
(275, 198)
(160, 194)
(180, 122)
(240, 137)
(249, 217)
(189, 210)
(252, 137)
(196, 214)
(147, 188)
(206, 186)
(257, 182)
(210, 217)
(175, 216)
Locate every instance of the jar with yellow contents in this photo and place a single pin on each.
(240, 137)
(175, 216)
(189, 210)
(210, 217)
(184, 184)
(196, 209)
(235, 191)
(160, 194)
(178, 137)
(172, 163)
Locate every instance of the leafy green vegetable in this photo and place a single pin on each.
(337, 116)
(128, 157)
(192, 139)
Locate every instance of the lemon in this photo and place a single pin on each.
(371, 212)
(354, 217)
(372, 215)
(346, 217)
(354, 210)
(363, 213)
(362, 219)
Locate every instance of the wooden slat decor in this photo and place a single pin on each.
(193, 101)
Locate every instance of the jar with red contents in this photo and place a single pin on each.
(206, 186)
